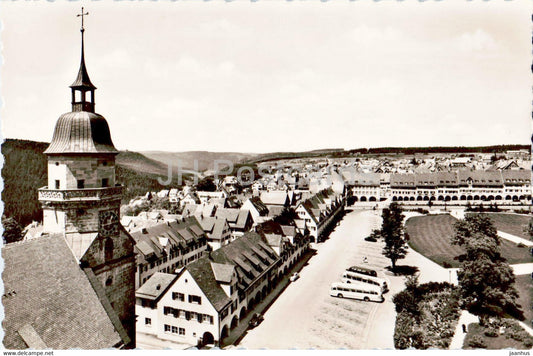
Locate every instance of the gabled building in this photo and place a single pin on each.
(286, 241)
(239, 220)
(276, 201)
(189, 198)
(256, 208)
(217, 230)
(168, 246)
(319, 212)
(463, 186)
(204, 302)
(205, 196)
(364, 187)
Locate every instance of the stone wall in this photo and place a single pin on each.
(68, 170)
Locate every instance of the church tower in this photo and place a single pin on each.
(82, 199)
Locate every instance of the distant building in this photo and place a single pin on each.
(365, 187)
(239, 220)
(276, 201)
(256, 207)
(206, 196)
(319, 212)
(507, 186)
(217, 230)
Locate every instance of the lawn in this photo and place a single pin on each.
(430, 235)
(524, 285)
(513, 224)
(492, 343)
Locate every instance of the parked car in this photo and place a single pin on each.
(256, 320)
(370, 238)
(294, 276)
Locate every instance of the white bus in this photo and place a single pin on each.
(356, 291)
(352, 277)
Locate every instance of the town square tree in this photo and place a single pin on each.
(529, 228)
(486, 280)
(12, 230)
(392, 233)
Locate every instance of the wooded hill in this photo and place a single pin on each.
(25, 171)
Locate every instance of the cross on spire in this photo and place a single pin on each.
(82, 14)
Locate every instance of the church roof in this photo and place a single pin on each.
(49, 299)
(81, 132)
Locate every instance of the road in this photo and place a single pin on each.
(305, 316)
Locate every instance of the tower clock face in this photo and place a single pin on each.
(108, 223)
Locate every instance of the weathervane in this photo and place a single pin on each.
(82, 14)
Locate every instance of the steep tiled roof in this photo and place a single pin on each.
(402, 181)
(155, 286)
(275, 210)
(516, 177)
(438, 179)
(259, 205)
(453, 179)
(277, 197)
(361, 179)
(231, 215)
(207, 224)
(189, 209)
(46, 289)
(288, 230)
(222, 272)
(236, 218)
(273, 239)
(243, 256)
(176, 235)
(214, 227)
(203, 274)
(244, 216)
(481, 178)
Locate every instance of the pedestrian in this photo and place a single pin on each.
(365, 260)
(464, 328)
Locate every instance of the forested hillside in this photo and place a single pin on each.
(24, 172)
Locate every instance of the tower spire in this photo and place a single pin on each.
(82, 84)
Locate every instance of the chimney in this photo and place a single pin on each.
(144, 231)
(158, 287)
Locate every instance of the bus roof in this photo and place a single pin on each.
(363, 268)
(359, 285)
(377, 279)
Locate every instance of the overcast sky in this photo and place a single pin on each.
(274, 76)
